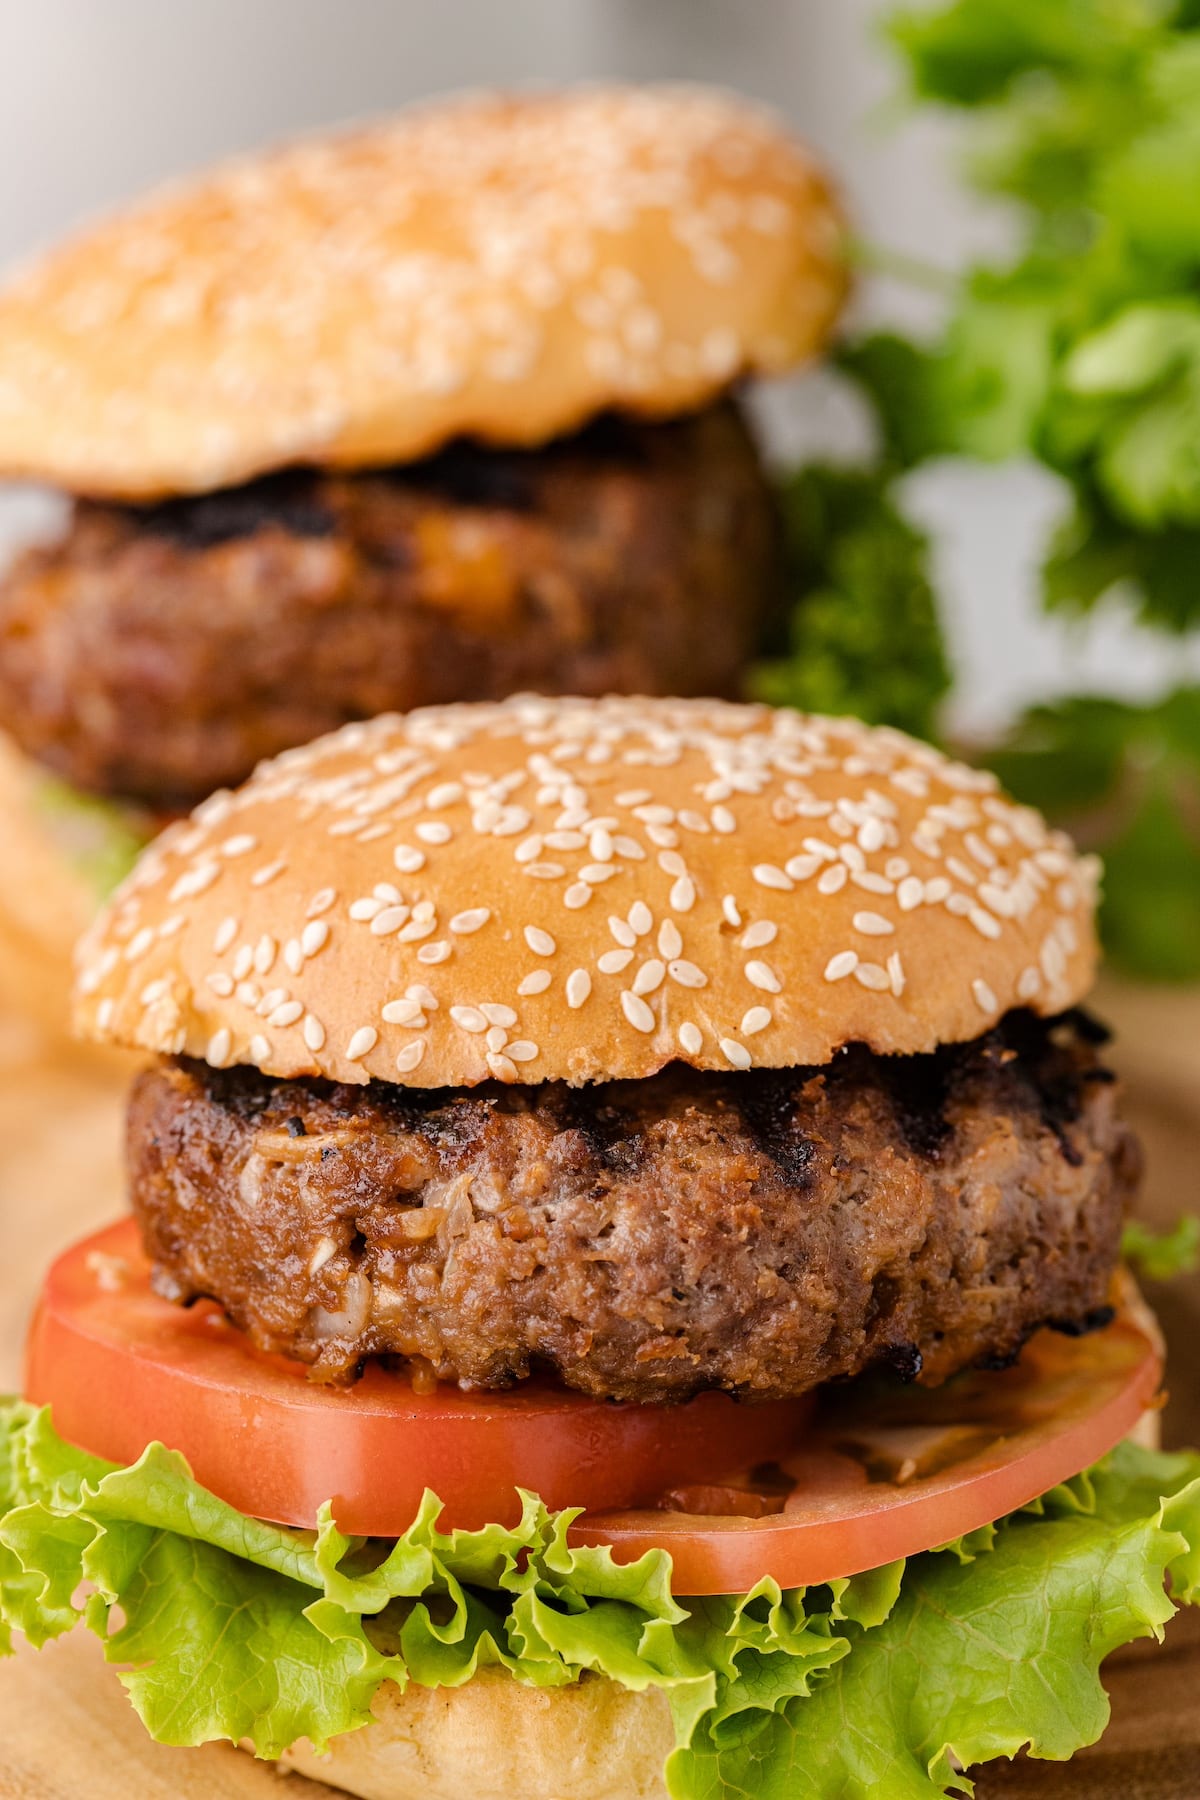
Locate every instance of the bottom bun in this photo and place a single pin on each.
(494, 1739)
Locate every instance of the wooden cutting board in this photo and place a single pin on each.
(66, 1730)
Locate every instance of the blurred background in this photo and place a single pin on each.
(97, 103)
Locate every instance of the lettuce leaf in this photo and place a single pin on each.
(101, 838)
(879, 1686)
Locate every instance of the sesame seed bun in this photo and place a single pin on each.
(492, 265)
(494, 1739)
(585, 890)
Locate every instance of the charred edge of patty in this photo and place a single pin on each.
(612, 1117)
(465, 474)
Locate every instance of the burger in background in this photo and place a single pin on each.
(438, 409)
(677, 1111)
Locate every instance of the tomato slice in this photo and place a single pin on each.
(876, 1471)
(121, 1367)
(886, 1471)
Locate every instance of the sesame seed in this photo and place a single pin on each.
(138, 944)
(762, 975)
(614, 961)
(385, 923)
(314, 1032)
(248, 993)
(218, 1048)
(600, 845)
(640, 918)
(411, 1055)
(536, 982)
(958, 904)
(425, 996)
(755, 1020)
(293, 956)
(636, 1011)
(194, 881)
(984, 923)
(683, 895)
(270, 1000)
(262, 877)
(649, 977)
(523, 1051)
(579, 986)
(729, 907)
(402, 1012)
(433, 953)
(768, 876)
(985, 999)
(759, 935)
(841, 965)
(286, 1015)
(446, 793)
(468, 1018)
(736, 1053)
(910, 893)
(220, 983)
(362, 1043)
(625, 935)
(577, 895)
(873, 924)
(495, 1037)
(497, 1015)
(690, 1039)
(502, 1067)
(539, 941)
(687, 974)
(724, 822)
(896, 976)
(361, 911)
(832, 879)
(408, 860)
(260, 1049)
(1028, 983)
(105, 1011)
(870, 975)
(239, 846)
(870, 883)
(464, 923)
(314, 937)
(937, 890)
(226, 931)
(264, 953)
(801, 868)
(670, 943)
(595, 873)
(433, 831)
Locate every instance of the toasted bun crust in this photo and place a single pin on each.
(584, 890)
(496, 1740)
(494, 265)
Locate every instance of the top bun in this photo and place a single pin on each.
(494, 265)
(584, 890)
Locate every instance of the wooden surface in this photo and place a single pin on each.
(66, 1730)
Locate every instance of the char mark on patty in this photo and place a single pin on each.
(761, 1232)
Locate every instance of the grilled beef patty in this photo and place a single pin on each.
(159, 653)
(761, 1232)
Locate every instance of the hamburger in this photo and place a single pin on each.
(439, 409)
(623, 1294)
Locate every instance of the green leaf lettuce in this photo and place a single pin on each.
(880, 1687)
